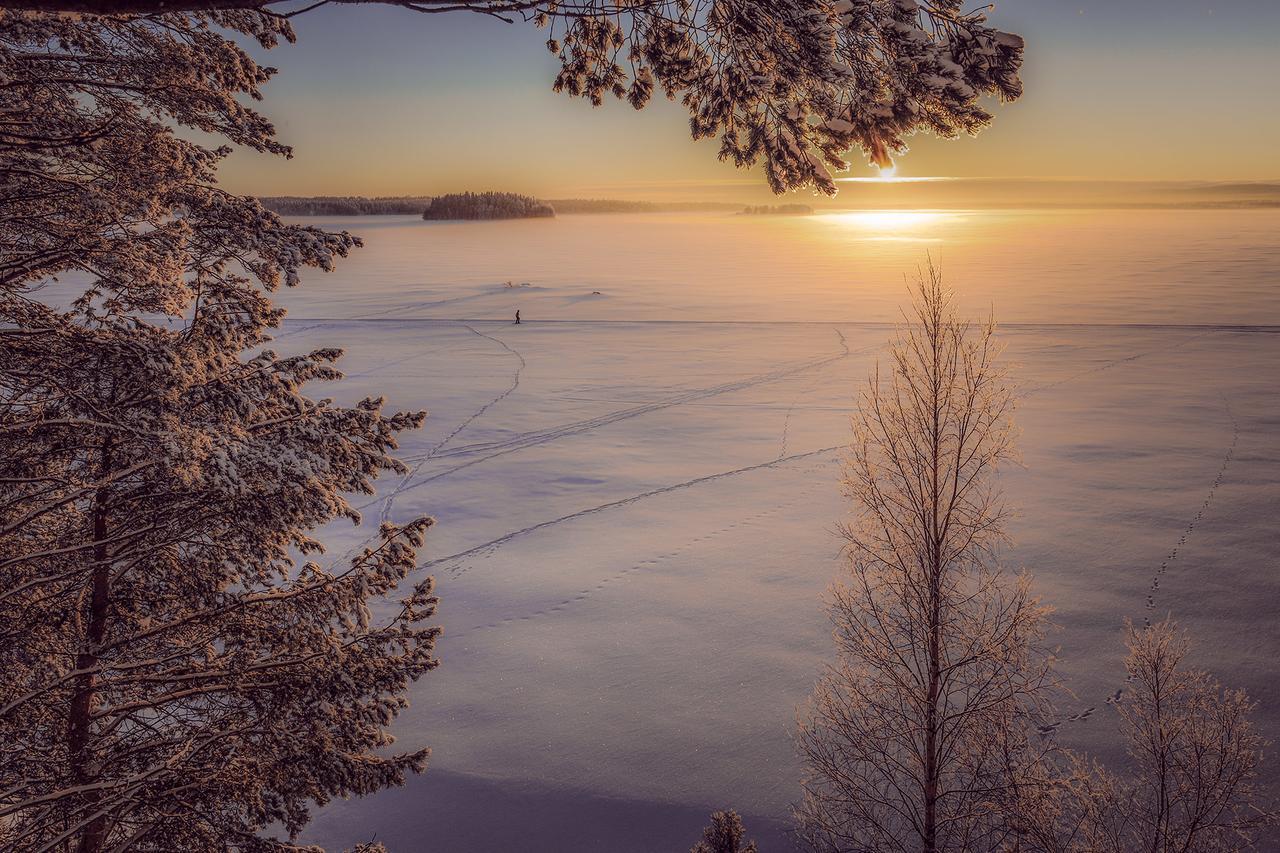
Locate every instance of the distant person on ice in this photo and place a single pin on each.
(517, 316)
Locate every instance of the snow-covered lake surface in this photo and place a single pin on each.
(636, 488)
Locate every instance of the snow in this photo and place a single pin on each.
(636, 490)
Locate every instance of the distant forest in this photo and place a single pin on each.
(413, 205)
(608, 205)
(778, 209)
(490, 205)
(952, 194)
(345, 205)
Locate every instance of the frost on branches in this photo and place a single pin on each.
(920, 735)
(172, 679)
(793, 83)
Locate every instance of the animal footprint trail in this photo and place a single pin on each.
(1051, 728)
(404, 483)
(1117, 697)
(1199, 516)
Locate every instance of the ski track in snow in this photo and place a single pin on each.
(373, 371)
(786, 421)
(291, 332)
(457, 563)
(458, 566)
(1045, 386)
(521, 440)
(645, 565)
(536, 438)
(389, 501)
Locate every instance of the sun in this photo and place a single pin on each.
(887, 173)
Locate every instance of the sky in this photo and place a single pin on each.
(384, 101)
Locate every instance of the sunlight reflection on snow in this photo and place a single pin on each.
(898, 225)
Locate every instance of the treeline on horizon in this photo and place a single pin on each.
(345, 205)
(975, 194)
(409, 205)
(777, 210)
(487, 205)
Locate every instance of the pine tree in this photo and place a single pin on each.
(792, 84)
(173, 679)
(919, 737)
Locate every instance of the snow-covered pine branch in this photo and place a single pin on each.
(173, 680)
(791, 84)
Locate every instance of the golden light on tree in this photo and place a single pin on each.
(918, 736)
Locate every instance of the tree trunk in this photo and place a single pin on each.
(931, 780)
(79, 730)
(932, 770)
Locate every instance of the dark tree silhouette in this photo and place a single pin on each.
(490, 205)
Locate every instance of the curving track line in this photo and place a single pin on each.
(645, 565)
(1045, 386)
(534, 439)
(493, 544)
(404, 484)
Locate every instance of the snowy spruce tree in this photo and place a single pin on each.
(921, 735)
(173, 679)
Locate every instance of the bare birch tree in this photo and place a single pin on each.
(919, 737)
(172, 678)
(1193, 761)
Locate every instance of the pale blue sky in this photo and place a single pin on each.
(384, 101)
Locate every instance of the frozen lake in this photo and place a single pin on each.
(636, 488)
